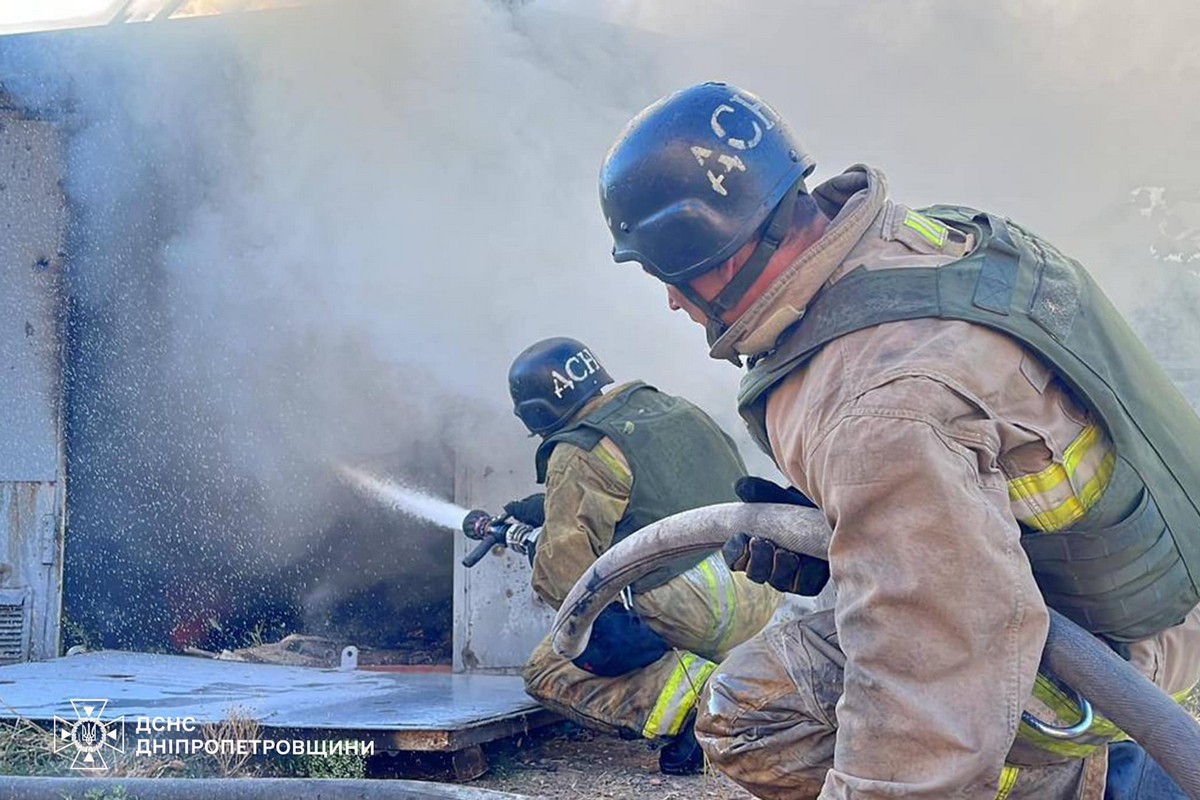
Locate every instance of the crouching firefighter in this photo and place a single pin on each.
(985, 436)
(611, 463)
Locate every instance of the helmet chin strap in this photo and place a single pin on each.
(778, 225)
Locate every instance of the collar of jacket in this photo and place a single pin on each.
(598, 402)
(852, 200)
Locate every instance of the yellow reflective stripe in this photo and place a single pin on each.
(1050, 477)
(1059, 747)
(721, 588)
(933, 232)
(1101, 732)
(1008, 779)
(607, 452)
(1050, 500)
(1045, 690)
(1075, 507)
(678, 696)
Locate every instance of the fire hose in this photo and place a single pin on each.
(1122, 694)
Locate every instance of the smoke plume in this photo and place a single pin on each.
(320, 235)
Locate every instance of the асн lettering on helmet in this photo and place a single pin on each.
(576, 368)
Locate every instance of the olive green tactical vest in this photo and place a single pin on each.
(1125, 581)
(679, 458)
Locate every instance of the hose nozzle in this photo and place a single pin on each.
(476, 523)
(489, 531)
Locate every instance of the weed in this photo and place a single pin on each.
(238, 726)
(256, 636)
(27, 748)
(115, 793)
(342, 765)
(73, 633)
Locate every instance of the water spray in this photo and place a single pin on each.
(490, 531)
(404, 499)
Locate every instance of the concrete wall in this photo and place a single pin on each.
(33, 218)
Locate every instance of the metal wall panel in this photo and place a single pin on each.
(33, 218)
(32, 222)
(498, 620)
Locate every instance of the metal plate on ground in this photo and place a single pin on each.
(398, 711)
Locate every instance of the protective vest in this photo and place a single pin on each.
(679, 458)
(1124, 581)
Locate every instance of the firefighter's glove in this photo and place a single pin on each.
(522, 538)
(531, 510)
(620, 642)
(752, 489)
(760, 559)
(763, 562)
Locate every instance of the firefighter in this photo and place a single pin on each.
(612, 462)
(984, 435)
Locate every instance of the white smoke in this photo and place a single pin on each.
(419, 179)
(351, 216)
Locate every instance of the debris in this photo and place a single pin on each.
(296, 650)
(196, 651)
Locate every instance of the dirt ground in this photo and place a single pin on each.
(565, 762)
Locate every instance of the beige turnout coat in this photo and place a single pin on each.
(927, 444)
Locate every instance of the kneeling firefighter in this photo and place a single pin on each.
(611, 463)
(984, 435)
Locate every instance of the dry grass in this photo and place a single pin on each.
(129, 765)
(26, 748)
(238, 726)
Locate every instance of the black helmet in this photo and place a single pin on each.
(694, 176)
(550, 380)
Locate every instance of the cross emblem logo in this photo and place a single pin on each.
(89, 735)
